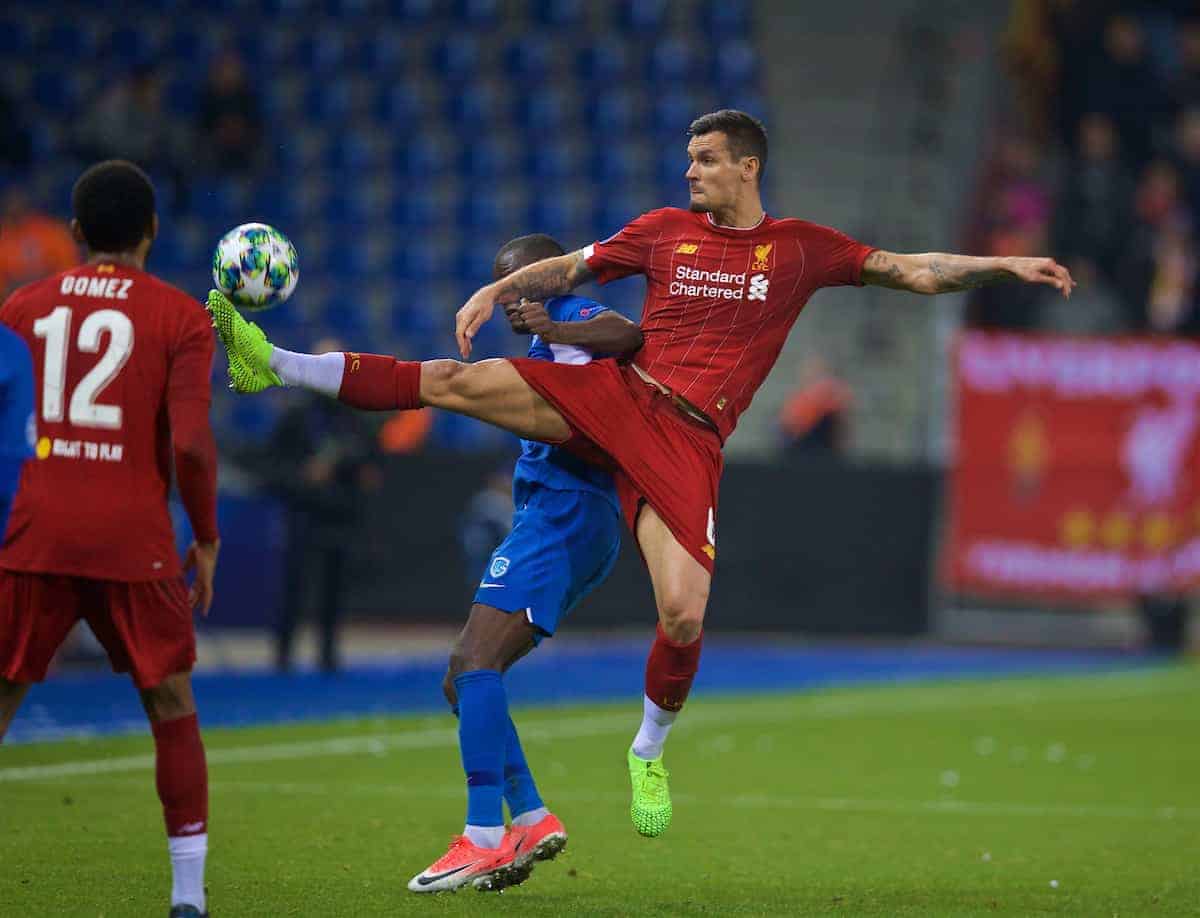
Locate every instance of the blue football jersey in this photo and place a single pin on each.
(17, 425)
(541, 463)
(17, 428)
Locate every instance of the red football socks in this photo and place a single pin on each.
(378, 383)
(670, 669)
(181, 775)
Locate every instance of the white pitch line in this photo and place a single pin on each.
(1112, 688)
(944, 807)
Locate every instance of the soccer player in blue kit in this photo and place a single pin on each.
(16, 416)
(564, 541)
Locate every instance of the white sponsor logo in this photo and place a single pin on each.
(499, 567)
(719, 285)
(490, 586)
(758, 287)
(712, 528)
(191, 827)
(1155, 449)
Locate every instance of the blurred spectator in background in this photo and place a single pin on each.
(816, 416)
(1158, 271)
(1121, 76)
(321, 462)
(230, 117)
(1015, 222)
(16, 141)
(1096, 200)
(1185, 86)
(129, 122)
(486, 522)
(32, 245)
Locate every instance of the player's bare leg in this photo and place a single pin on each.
(491, 390)
(11, 696)
(681, 587)
(181, 778)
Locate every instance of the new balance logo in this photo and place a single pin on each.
(758, 287)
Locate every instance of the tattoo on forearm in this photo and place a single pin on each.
(951, 277)
(882, 270)
(544, 279)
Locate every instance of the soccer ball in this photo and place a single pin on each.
(255, 266)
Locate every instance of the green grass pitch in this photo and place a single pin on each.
(1069, 796)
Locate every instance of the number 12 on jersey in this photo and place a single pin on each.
(83, 411)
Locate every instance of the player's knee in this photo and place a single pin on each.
(441, 379)
(167, 701)
(681, 614)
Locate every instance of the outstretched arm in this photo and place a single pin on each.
(538, 281)
(938, 272)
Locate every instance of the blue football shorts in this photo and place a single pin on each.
(562, 546)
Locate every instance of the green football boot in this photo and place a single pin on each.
(651, 807)
(246, 346)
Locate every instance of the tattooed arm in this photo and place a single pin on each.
(538, 281)
(937, 272)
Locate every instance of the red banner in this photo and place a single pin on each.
(1077, 467)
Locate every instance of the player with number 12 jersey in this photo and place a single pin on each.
(121, 385)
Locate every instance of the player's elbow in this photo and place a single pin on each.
(194, 446)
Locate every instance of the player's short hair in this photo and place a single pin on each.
(747, 135)
(114, 204)
(525, 250)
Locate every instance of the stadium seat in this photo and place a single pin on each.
(16, 36)
(642, 17)
(478, 104)
(456, 57)
(401, 102)
(616, 112)
(555, 160)
(384, 52)
(549, 112)
(55, 90)
(675, 61)
(528, 57)
(413, 12)
(479, 14)
(489, 159)
(735, 66)
(65, 40)
(604, 61)
(726, 19)
(560, 13)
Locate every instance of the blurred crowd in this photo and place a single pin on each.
(1098, 162)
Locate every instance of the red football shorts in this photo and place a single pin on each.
(657, 454)
(145, 627)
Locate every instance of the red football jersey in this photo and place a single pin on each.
(720, 301)
(117, 353)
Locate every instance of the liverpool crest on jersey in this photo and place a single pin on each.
(762, 257)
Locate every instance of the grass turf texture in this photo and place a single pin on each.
(965, 798)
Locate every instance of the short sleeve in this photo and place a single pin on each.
(191, 361)
(580, 309)
(836, 258)
(627, 251)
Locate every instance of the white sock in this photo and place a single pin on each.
(532, 818)
(187, 869)
(320, 372)
(656, 724)
(485, 836)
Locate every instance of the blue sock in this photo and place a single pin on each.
(520, 792)
(482, 716)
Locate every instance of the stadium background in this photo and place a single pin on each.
(399, 143)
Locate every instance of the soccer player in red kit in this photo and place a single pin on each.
(725, 283)
(121, 378)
